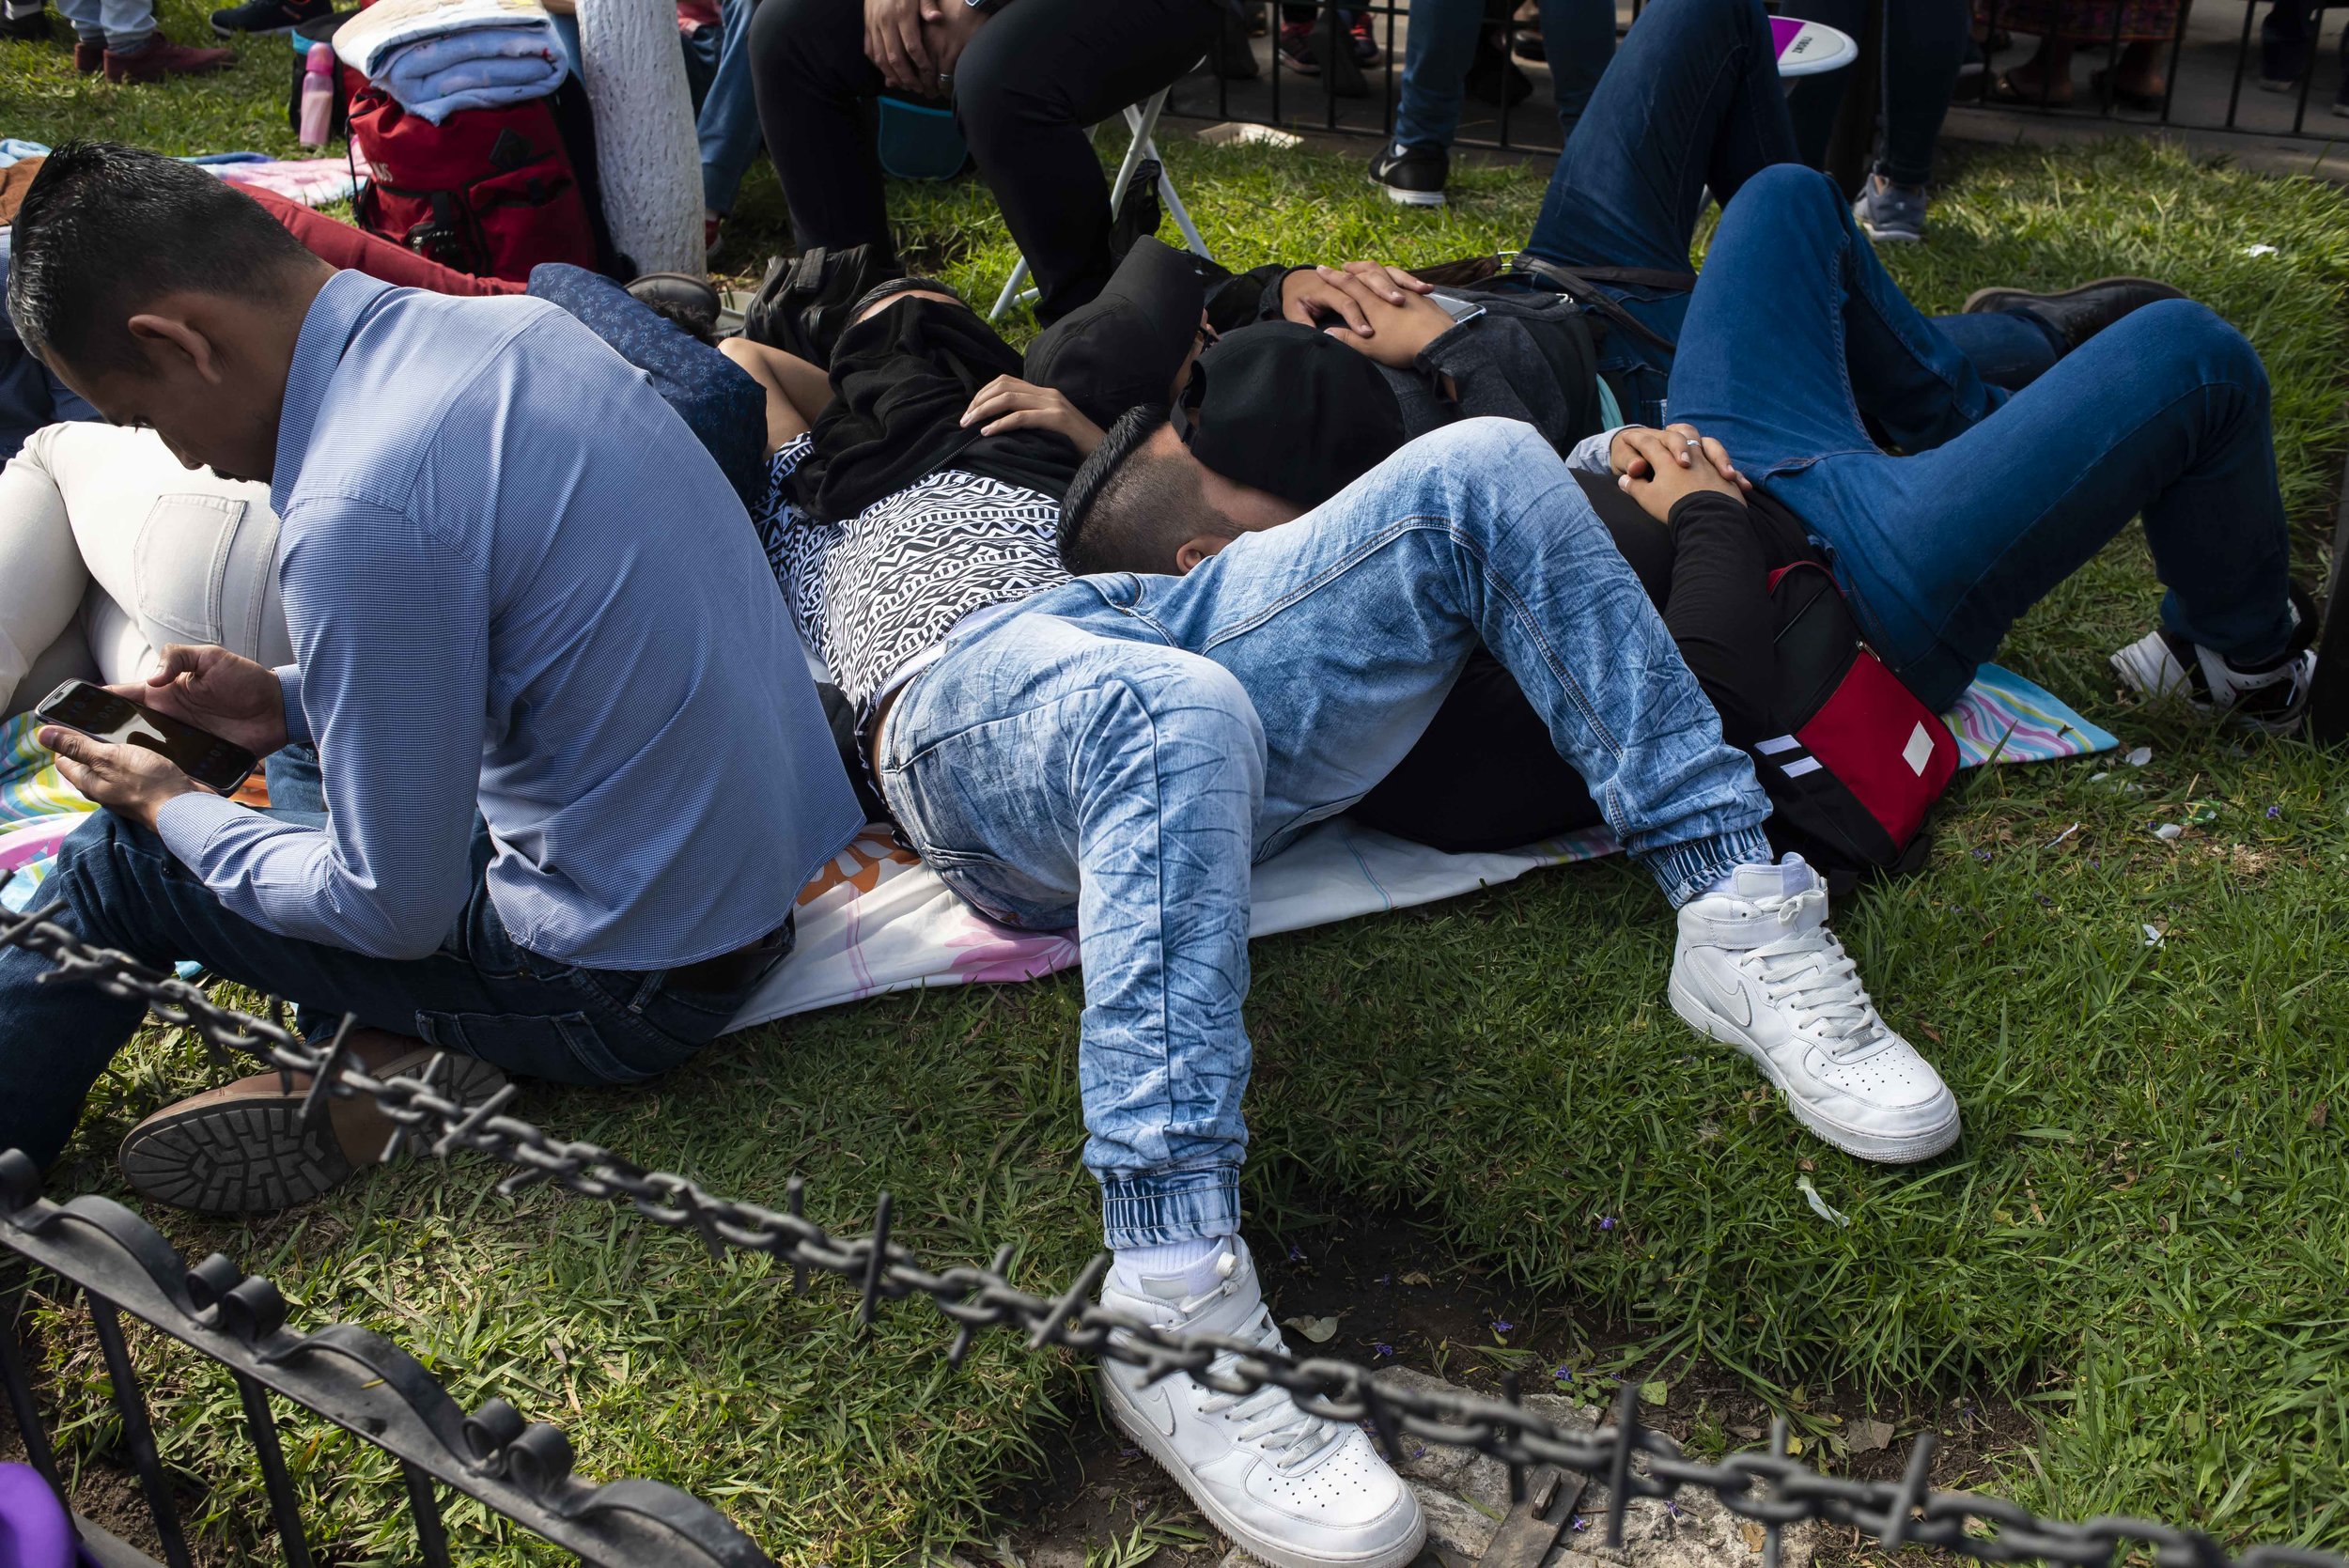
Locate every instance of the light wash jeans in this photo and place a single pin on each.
(1114, 753)
(121, 25)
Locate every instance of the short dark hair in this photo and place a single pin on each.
(105, 229)
(1122, 513)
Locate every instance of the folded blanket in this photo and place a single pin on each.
(366, 42)
(483, 68)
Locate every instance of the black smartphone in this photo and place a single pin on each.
(214, 763)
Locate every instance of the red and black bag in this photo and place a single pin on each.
(1859, 760)
(489, 192)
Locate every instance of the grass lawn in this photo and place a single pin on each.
(2142, 1237)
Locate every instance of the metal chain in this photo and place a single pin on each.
(1772, 1488)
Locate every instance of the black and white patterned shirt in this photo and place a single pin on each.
(875, 592)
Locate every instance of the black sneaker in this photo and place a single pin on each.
(268, 16)
(2076, 314)
(1411, 175)
(32, 27)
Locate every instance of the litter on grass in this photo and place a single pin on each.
(2139, 756)
(2153, 935)
(2062, 836)
(2261, 250)
(2168, 831)
(1819, 1205)
(1233, 134)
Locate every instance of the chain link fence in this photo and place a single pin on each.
(1770, 1488)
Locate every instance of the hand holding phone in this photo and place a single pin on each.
(131, 759)
(217, 692)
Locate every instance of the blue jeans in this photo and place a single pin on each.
(1693, 104)
(1796, 328)
(725, 116)
(480, 995)
(119, 24)
(1114, 753)
(1579, 35)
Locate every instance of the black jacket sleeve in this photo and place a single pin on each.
(1719, 610)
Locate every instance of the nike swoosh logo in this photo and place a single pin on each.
(1728, 989)
(1153, 1403)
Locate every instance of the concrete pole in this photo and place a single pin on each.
(646, 152)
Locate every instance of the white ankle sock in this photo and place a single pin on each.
(1194, 1260)
(1794, 874)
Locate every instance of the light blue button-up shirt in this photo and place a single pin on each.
(514, 579)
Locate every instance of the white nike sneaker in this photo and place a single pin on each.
(2161, 664)
(1758, 969)
(1286, 1487)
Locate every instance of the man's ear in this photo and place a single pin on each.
(1192, 551)
(167, 340)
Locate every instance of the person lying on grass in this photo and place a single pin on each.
(504, 649)
(1114, 753)
(1691, 104)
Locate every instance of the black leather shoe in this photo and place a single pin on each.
(2076, 314)
(689, 302)
(33, 28)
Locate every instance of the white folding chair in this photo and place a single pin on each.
(1142, 120)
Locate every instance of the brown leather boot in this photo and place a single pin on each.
(159, 57)
(240, 1149)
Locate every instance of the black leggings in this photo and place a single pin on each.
(1485, 775)
(1029, 84)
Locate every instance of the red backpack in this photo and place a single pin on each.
(1861, 760)
(489, 192)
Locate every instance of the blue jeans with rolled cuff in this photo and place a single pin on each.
(1115, 752)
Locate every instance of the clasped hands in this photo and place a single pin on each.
(917, 43)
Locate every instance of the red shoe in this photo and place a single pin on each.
(1297, 48)
(88, 57)
(162, 57)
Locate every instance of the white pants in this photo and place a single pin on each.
(109, 549)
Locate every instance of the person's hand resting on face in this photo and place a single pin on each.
(1008, 403)
(1322, 296)
(1657, 468)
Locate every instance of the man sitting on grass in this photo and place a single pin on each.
(566, 822)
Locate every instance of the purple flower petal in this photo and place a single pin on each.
(1606, 1221)
(1502, 1325)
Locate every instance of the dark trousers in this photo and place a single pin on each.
(479, 994)
(1924, 43)
(1030, 83)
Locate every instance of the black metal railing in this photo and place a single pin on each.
(354, 1377)
(2211, 56)
(524, 1471)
